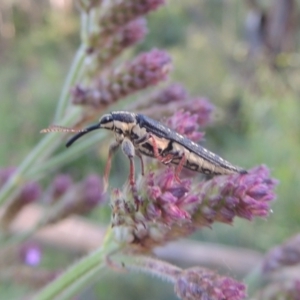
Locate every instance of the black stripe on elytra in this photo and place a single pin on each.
(162, 131)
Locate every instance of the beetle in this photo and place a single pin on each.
(140, 135)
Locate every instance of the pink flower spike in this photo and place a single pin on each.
(145, 70)
(185, 124)
(203, 284)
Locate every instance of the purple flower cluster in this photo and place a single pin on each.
(92, 191)
(63, 194)
(30, 192)
(243, 195)
(130, 34)
(285, 255)
(80, 198)
(145, 70)
(193, 283)
(202, 107)
(173, 99)
(5, 174)
(168, 210)
(202, 284)
(60, 185)
(172, 93)
(186, 124)
(120, 13)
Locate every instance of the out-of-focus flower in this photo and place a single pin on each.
(61, 184)
(58, 187)
(161, 99)
(80, 198)
(145, 70)
(5, 174)
(130, 34)
(30, 192)
(190, 284)
(202, 284)
(287, 254)
(31, 254)
(173, 93)
(186, 124)
(122, 12)
(283, 288)
(172, 99)
(92, 191)
(202, 107)
(162, 209)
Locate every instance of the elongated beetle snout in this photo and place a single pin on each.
(80, 134)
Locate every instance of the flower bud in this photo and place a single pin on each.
(202, 284)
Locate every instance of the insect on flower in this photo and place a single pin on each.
(140, 135)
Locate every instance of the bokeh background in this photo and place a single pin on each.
(241, 55)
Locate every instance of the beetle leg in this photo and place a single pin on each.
(128, 149)
(112, 149)
(155, 149)
(167, 159)
(179, 168)
(138, 154)
(156, 154)
(154, 145)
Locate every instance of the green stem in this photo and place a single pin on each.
(255, 280)
(82, 283)
(50, 142)
(82, 268)
(75, 70)
(149, 265)
(70, 80)
(65, 157)
(47, 144)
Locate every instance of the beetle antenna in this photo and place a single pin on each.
(57, 128)
(81, 133)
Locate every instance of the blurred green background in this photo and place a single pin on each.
(256, 120)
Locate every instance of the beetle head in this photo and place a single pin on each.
(106, 122)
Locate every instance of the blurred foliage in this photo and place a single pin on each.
(256, 122)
